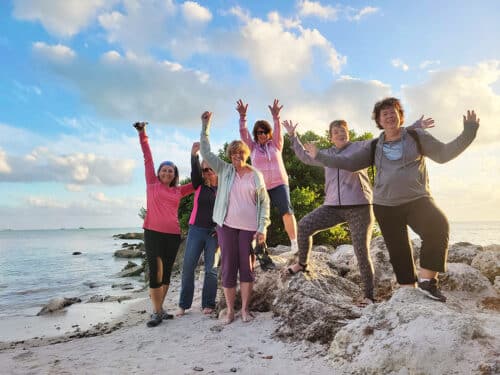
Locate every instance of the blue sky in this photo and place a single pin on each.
(76, 74)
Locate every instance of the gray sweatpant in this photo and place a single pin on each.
(360, 221)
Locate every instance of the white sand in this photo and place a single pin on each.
(175, 347)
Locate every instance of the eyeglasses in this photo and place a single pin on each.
(207, 170)
(260, 132)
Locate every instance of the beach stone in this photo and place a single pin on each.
(411, 334)
(488, 262)
(314, 306)
(463, 252)
(129, 253)
(131, 271)
(462, 277)
(58, 303)
(77, 253)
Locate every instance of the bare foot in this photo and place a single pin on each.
(180, 312)
(292, 270)
(246, 316)
(229, 317)
(207, 311)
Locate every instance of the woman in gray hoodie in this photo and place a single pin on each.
(401, 195)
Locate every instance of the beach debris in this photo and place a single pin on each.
(58, 303)
(198, 368)
(233, 369)
(123, 286)
(98, 298)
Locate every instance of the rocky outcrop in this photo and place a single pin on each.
(58, 303)
(129, 253)
(130, 236)
(410, 334)
(463, 252)
(131, 269)
(488, 262)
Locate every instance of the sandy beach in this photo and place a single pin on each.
(194, 343)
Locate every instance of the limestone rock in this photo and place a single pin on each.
(462, 277)
(58, 303)
(488, 262)
(411, 334)
(129, 236)
(131, 270)
(463, 252)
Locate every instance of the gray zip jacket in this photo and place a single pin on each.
(406, 179)
(342, 187)
(226, 173)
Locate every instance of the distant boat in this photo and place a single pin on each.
(81, 228)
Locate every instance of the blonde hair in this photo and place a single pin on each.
(337, 124)
(236, 147)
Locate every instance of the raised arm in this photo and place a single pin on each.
(244, 133)
(422, 123)
(356, 161)
(196, 175)
(297, 146)
(149, 167)
(215, 162)
(443, 152)
(277, 135)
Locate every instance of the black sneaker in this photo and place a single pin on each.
(166, 316)
(431, 290)
(156, 319)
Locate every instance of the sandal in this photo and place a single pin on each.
(303, 268)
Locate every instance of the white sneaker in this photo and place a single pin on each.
(294, 246)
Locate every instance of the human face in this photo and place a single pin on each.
(166, 174)
(339, 136)
(238, 159)
(262, 135)
(389, 119)
(208, 173)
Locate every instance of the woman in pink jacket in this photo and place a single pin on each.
(162, 233)
(266, 146)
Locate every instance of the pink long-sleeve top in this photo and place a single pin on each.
(162, 201)
(267, 158)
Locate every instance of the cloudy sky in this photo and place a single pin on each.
(76, 74)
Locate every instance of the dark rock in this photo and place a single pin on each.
(129, 253)
(58, 303)
(77, 253)
(133, 271)
(129, 236)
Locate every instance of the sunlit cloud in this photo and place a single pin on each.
(195, 13)
(357, 15)
(308, 8)
(56, 53)
(398, 63)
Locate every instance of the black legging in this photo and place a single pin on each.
(426, 220)
(163, 246)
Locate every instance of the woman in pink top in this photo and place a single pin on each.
(266, 148)
(162, 233)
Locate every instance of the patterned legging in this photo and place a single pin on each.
(360, 221)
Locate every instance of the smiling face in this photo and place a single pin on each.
(209, 175)
(262, 132)
(238, 152)
(389, 119)
(166, 174)
(339, 133)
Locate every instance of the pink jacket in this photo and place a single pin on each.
(162, 201)
(267, 158)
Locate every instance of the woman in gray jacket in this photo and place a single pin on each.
(401, 195)
(241, 212)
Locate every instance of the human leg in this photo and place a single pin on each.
(280, 198)
(229, 267)
(360, 220)
(195, 243)
(393, 225)
(211, 257)
(247, 273)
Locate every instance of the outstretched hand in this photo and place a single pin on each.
(471, 119)
(425, 123)
(205, 118)
(311, 149)
(276, 108)
(195, 148)
(140, 126)
(290, 127)
(259, 237)
(241, 108)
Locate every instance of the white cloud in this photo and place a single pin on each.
(308, 8)
(448, 94)
(55, 53)
(293, 52)
(4, 165)
(358, 14)
(195, 13)
(63, 18)
(398, 63)
(427, 63)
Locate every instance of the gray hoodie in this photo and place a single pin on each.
(342, 187)
(406, 179)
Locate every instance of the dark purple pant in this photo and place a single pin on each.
(236, 254)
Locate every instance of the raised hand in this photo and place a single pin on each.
(290, 127)
(471, 119)
(276, 108)
(424, 123)
(241, 108)
(311, 149)
(205, 118)
(140, 126)
(195, 148)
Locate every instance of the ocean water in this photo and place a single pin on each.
(37, 265)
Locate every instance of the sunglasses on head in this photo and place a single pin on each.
(208, 170)
(260, 132)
